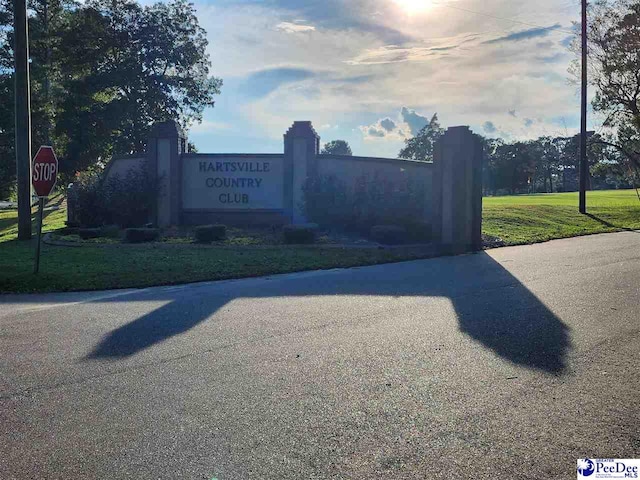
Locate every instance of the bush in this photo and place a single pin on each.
(140, 235)
(110, 231)
(126, 201)
(371, 200)
(389, 234)
(86, 201)
(305, 233)
(210, 233)
(87, 233)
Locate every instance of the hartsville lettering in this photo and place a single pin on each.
(251, 167)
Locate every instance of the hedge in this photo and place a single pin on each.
(210, 233)
(140, 235)
(295, 234)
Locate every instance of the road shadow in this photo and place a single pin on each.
(492, 306)
(174, 318)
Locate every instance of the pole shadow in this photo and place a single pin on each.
(609, 224)
(492, 306)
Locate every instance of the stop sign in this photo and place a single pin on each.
(45, 171)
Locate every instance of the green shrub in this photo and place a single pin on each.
(389, 234)
(140, 235)
(305, 233)
(125, 201)
(371, 200)
(87, 233)
(86, 200)
(210, 233)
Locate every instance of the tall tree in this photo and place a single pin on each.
(549, 164)
(103, 72)
(614, 55)
(7, 154)
(421, 146)
(511, 167)
(47, 20)
(337, 147)
(129, 67)
(546, 158)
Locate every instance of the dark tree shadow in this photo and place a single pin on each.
(492, 306)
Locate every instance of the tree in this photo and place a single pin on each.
(103, 72)
(128, 68)
(336, 147)
(510, 167)
(546, 155)
(549, 164)
(7, 139)
(7, 154)
(421, 146)
(614, 56)
(47, 20)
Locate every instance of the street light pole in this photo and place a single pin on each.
(23, 118)
(584, 165)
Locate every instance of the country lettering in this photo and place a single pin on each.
(227, 182)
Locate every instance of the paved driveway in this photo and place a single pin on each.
(508, 364)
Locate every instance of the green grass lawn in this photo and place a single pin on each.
(523, 219)
(115, 266)
(515, 220)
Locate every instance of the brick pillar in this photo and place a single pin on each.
(301, 146)
(165, 145)
(457, 191)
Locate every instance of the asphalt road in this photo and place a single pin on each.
(508, 364)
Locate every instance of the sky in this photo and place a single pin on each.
(373, 72)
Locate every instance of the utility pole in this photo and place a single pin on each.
(584, 164)
(23, 118)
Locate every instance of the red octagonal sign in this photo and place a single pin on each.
(45, 171)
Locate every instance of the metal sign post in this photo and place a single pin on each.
(44, 177)
(36, 267)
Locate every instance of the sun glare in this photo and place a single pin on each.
(414, 6)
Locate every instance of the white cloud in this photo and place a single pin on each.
(289, 27)
(327, 127)
(445, 66)
(390, 54)
(407, 123)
